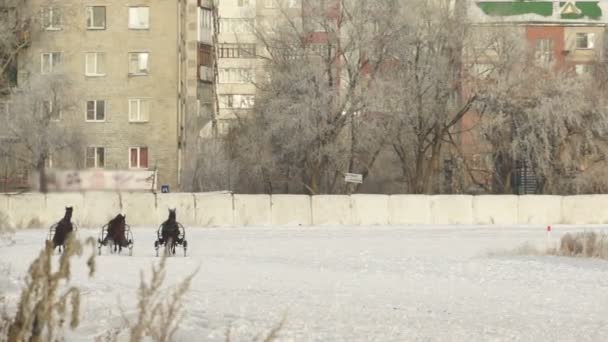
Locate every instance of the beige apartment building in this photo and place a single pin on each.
(132, 66)
(151, 80)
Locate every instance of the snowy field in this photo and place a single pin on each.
(349, 284)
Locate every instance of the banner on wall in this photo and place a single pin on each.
(96, 180)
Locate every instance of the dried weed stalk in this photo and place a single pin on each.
(43, 309)
(159, 315)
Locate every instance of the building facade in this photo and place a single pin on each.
(132, 70)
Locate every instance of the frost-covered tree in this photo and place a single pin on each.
(313, 115)
(36, 123)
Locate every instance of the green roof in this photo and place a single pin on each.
(588, 9)
(501, 8)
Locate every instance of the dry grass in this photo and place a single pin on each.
(43, 308)
(586, 244)
(159, 314)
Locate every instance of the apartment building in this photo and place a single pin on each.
(132, 66)
(242, 23)
(563, 36)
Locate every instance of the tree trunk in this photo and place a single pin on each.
(41, 168)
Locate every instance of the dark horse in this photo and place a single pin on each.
(63, 229)
(170, 228)
(171, 234)
(117, 233)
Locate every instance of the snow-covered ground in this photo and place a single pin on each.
(350, 284)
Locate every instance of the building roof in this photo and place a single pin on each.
(573, 12)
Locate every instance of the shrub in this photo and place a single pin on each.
(586, 244)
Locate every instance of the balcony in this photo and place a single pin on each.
(205, 74)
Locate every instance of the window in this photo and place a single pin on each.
(95, 157)
(50, 111)
(138, 158)
(237, 101)
(585, 40)
(236, 75)
(138, 63)
(139, 110)
(583, 69)
(96, 17)
(95, 64)
(236, 25)
(236, 50)
(51, 18)
(96, 110)
(49, 62)
(270, 3)
(243, 3)
(205, 55)
(544, 52)
(139, 18)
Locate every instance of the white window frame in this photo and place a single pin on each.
(50, 12)
(95, 157)
(243, 3)
(139, 117)
(582, 69)
(139, 61)
(230, 101)
(86, 111)
(90, 14)
(236, 75)
(96, 73)
(52, 63)
(590, 39)
(544, 52)
(138, 167)
(237, 25)
(135, 27)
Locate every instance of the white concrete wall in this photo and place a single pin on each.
(370, 210)
(94, 209)
(542, 210)
(214, 210)
(331, 210)
(498, 210)
(409, 209)
(585, 209)
(27, 210)
(252, 210)
(100, 208)
(140, 209)
(4, 204)
(452, 209)
(291, 210)
(183, 203)
(55, 208)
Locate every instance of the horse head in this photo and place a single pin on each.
(172, 214)
(68, 213)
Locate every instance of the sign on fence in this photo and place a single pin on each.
(97, 180)
(353, 178)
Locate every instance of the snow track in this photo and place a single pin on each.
(348, 284)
